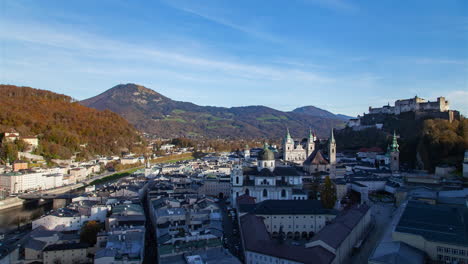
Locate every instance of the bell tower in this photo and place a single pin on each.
(310, 144)
(288, 146)
(332, 149)
(394, 154)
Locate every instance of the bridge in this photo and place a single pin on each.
(46, 196)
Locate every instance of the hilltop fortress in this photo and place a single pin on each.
(415, 108)
(412, 105)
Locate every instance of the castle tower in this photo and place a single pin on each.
(310, 143)
(288, 146)
(332, 149)
(394, 154)
(266, 159)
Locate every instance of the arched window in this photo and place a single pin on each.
(265, 193)
(247, 191)
(237, 180)
(283, 193)
(272, 164)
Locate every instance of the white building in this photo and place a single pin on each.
(15, 182)
(298, 151)
(265, 181)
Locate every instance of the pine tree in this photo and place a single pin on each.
(328, 193)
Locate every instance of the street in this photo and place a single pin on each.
(231, 231)
(381, 216)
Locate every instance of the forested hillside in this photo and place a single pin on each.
(424, 144)
(64, 127)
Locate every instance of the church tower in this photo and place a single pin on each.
(332, 149)
(288, 146)
(394, 155)
(266, 159)
(310, 144)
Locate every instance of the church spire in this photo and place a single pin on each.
(288, 136)
(332, 137)
(394, 147)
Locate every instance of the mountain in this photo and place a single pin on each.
(156, 114)
(62, 125)
(318, 112)
(344, 117)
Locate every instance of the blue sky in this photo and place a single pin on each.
(343, 56)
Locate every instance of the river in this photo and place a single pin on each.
(11, 218)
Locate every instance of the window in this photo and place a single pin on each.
(237, 180)
(265, 193)
(283, 193)
(247, 191)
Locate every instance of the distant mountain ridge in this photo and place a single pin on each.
(318, 112)
(156, 114)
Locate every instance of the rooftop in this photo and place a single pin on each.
(438, 223)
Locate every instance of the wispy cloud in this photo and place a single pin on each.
(80, 44)
(440, 61)
(213, 16)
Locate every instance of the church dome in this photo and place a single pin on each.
(266, 154)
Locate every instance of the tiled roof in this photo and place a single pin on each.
(336, 232)
(66, 246)
(316, 158)
(257, 239)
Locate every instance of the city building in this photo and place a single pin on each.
(316, 162)
(266, 181)
(440, 231)
(297, 151)
(66, 253)
(296, 219)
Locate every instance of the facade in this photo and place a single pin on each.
(265, 181)
(296, 219)
(16, 182)
(218, 186)
(298, 151)
(20, 165)
(67, 253)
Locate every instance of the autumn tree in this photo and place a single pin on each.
(89, 232)
(328, 193)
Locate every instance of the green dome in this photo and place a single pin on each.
(266, 154)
